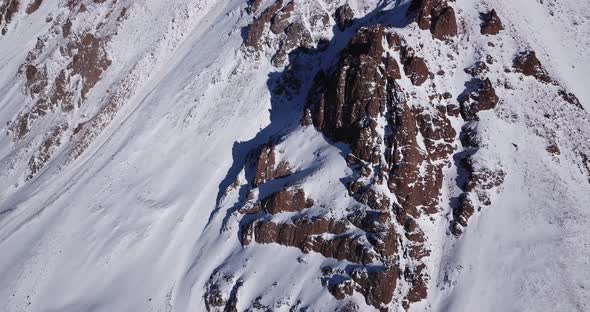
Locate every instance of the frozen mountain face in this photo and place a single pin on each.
(423, 155)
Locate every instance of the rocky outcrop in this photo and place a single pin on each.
(416, 70)
(256, 29)
(308, 235)
(221, 292)
(287, 200)
(398, 152)
(491, 23)
(253, 6)
(483, 97)
(475, 180)
(7, 10)
(280, 20)
(346, 104)
(436, 16)
(33, 6)
(266, 167)
(445, 24)
(87, 62)
(528, 64)
(344, 16)
(279, 26)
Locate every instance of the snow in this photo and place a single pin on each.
(132, 225)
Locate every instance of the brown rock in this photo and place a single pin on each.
(7, 10)
(297, 36)
(344, 16)
(392, 68)
(465, 210)
(412, 178)
(33, 6)
(491, 23)
(394, 41)
(377, 286)
(528, 64)
(483, 98)
(266, 169)
(253, 6)
(345, 105)
(280, 20)
(436, 16)
(90, 61)
(30, 72)
(417, 280)
(305, 234)
(445, 25)
(256, 29)
(416, 70)
(553, 149)
(287, 200)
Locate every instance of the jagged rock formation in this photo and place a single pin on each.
(348, 104)
(528, 64)
(7, 10)
(491, 23)
(292, 155)
(436, 16)
(344, 16)
(483, 97)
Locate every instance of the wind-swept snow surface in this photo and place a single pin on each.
(131, 141)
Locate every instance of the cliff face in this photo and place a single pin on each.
(294, 155)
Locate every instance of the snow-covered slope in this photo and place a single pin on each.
(143, 142)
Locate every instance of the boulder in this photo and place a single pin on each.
(491, 23)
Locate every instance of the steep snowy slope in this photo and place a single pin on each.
(313, 155)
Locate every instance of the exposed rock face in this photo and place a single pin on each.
(88, 61)
(445, 25)
(416, 70)
(7, 9)
(256, 30)
(482, 98)
(346, 104)
(215, 292)
(344, 16)
(59, 75)
(436, 16)
(491, 23)
(280, 20)
(409, 170)
(266, 168)
(398, 152)
(306, 234)
(477, 181)
(570, 98)
(392, 68)
(282, 26)
(287, 200)
(528, 64)
(253, 6)
(297, 36)
(394, 41)
(33, 6)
